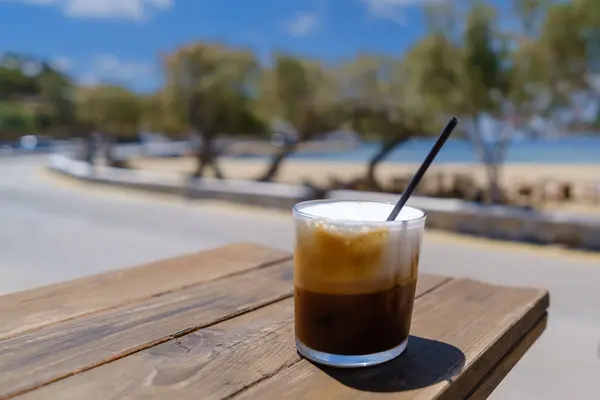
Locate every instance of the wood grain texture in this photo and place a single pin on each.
(211, 363)
(495, 377)
(53, 352)
(461, 331)
(34, 308)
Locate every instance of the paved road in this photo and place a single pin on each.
(52, 231)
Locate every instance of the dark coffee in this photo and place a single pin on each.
(354, 324)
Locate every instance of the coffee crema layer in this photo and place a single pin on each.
(354, 260)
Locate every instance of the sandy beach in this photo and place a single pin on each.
(296, 171)
(584, 177)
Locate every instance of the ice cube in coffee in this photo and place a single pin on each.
(355, 277)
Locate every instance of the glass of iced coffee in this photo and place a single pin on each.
(354, 280)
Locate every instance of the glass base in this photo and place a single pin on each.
(345, 361)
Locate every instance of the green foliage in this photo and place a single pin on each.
(14, 83)
(56, 92)
(466, 77)
(486, 80)
(43, 91)
(301, 92)
(16, 120)
(112, 110)
(208, 88)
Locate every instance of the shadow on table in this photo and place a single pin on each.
(423, 363)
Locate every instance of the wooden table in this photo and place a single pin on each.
(218, 324)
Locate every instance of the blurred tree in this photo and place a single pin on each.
(113, 111)
(377, 94)
(530, 14)
(471, 78)
(569, 42)
(564, 52)
(15, 121)
(208, 89)
(157, 116)
(42, 90)
(57, 97)
(302, 93)
(14, 82)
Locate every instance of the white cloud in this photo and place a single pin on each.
(393, 9)
(303, 24)
(122, 9)
(109, 68)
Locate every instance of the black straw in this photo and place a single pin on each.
(423, 168)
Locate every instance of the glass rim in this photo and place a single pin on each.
(297, 211)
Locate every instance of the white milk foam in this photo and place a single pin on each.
(359, 211)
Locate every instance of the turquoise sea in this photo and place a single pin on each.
(572, 150)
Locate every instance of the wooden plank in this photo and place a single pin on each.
(493, 379)
(214, 362)
(50, 304)
(461, 331)
(53, 352)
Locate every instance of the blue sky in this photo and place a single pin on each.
(119, 40)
